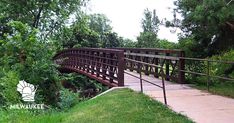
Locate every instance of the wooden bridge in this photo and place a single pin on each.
(108, 65)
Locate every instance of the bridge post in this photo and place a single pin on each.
(131, 64)
(92, 62)
(146, 59)
(181, 77)
(156, 74)
(98, 64)
(121, 67)
(111, 71)
(167, 68)
(104, 66)
(138, 58)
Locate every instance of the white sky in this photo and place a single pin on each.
(126, 15)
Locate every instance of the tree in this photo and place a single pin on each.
(88, 31)
(125, 42)
(150, 23)
(24, 57)
(46, 15)
(101, 25)
(209, 22)
(165, 44)
(111, 40)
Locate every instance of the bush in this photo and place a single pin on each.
(67, 99)
(223, 69)
(8, 85)
(21, 51)
(88, 87)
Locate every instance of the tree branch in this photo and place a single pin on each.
(37, 17)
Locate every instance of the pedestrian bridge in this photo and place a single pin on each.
(108, 66)
(143, 69)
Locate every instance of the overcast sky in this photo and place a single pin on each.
(126, 15)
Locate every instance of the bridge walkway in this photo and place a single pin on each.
(200, 106)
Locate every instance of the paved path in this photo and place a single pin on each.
(200, 106)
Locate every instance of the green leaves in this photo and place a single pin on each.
(47, 16)
(30, 59)
(209, 22)
(150, 23)
(8, 83)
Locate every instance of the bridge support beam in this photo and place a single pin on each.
(121, 67)
(181, 77)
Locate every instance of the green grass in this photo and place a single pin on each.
(223, 89)
(118, 106)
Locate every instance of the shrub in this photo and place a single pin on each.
(88, 87)
(223, 69)
(67, 99)
(22, 51)
(8, 85)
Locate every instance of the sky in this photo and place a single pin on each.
(126, 15)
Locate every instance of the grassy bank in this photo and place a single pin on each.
(223, 89)
(118, 106)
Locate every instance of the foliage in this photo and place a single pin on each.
(8, 84)
(150, 23)
(127, 43)
(209, 23)
(47, 16)
(67, 99)
(118, 106)
(189, 47)
(216, 85)
(223, 69)
(89, 31)
(83, 83)
(165, 44)
(111, 40)
(22, 52)
(147, 40)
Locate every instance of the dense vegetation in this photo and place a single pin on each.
(208, 31)
(32, 31)
(117, 106)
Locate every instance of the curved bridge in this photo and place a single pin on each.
(104, 65)
(109, 65)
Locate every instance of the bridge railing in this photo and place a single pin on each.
(208, 69)
(161, 72)
(104, 65)
(171, 60)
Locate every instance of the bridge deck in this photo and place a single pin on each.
(200, 106)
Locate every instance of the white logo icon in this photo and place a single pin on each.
(27, 91)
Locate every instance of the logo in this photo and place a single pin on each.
(27, 91)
